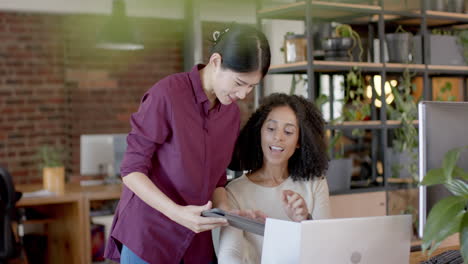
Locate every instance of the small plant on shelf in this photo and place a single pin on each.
(335, 138)
(50, 156)
(52, 166)
(405, 110)
(346, 31)
(355, 109)
(449, 215)
(463, 41)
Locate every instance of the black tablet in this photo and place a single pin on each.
(244, 223)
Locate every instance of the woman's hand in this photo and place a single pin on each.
(190, 217)
(294, 206)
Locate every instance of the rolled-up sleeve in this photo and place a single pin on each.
(150, 128)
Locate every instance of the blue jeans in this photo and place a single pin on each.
(128, 257)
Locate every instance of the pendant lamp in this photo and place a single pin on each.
(118, 32)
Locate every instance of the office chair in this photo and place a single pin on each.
(8, 199)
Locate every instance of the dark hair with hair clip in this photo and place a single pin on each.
(242, 48)
(308, 161)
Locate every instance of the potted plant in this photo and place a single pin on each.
(400, 46)
(404, 154)
(340, 47)
(339, 168)
(437, 5)
(449, 215)
(456, 6)
(440, 39)
(463, 41)
(355, 108)
(53, 170)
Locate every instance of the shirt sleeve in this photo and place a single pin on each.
(150, 128)
(321, 209)
(231, 240)
(223, 179)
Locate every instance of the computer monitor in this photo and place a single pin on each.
(102, 154)
(442, 127)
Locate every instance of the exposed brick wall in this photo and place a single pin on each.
(31, 90)
(55, 86)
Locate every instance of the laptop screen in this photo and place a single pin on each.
(442, 127)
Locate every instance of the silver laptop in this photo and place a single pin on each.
(367, 240)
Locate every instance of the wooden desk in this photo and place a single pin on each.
(69, 234)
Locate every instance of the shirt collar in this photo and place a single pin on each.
(197, 87)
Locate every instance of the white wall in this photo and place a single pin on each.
(275, 31)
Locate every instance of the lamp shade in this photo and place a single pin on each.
(118, 33)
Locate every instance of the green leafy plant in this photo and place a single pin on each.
(296, 79)
(445, 92)
(405, 110)
(449, 215)
(335, 139)
(463, 41)
(355, 108)
(346, 31)
(51, 156)
(443, 32)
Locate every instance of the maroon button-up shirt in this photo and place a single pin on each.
(184, 148)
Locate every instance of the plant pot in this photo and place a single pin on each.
(438, 5)
(54, 179)
(337, 43)
(339, 174)
(452, 55)
(337, 48)
(295, 48)
(399, 47)
(456, 6)
(336, 55)
(400, 159)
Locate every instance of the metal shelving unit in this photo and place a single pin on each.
(375, 16)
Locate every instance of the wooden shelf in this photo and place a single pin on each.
(371, 124)
(339, 66)
(447, 69)
(399, 67)
(434, 18)
(325, 66)
(439, 15)
(296, 11)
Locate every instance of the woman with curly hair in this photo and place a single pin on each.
(283, 148)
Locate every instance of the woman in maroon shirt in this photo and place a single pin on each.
(178, 150)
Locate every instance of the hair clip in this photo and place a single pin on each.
(216, 35)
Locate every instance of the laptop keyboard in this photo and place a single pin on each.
(447, 257)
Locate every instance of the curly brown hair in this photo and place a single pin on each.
(308, 161)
